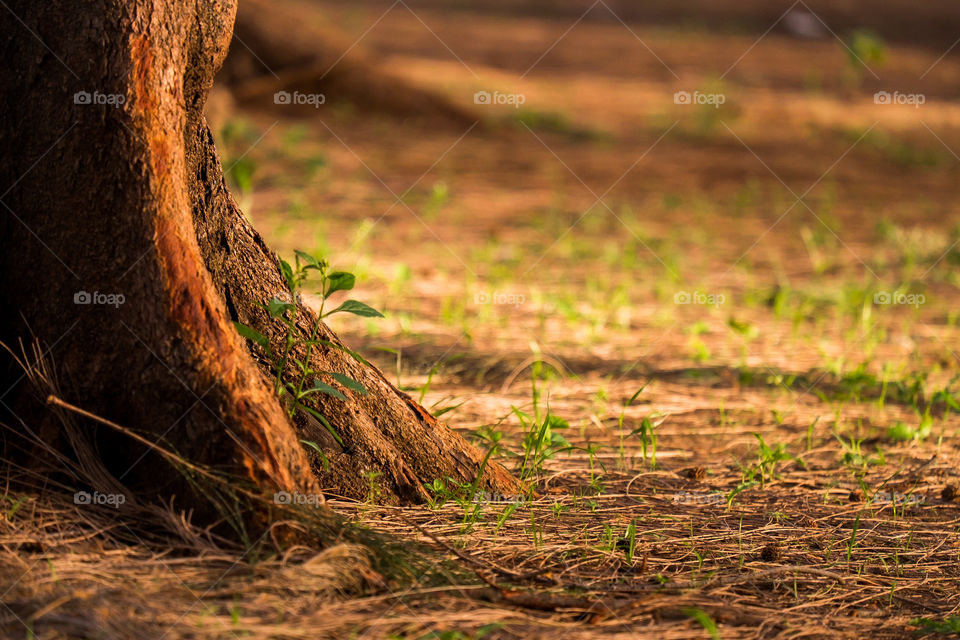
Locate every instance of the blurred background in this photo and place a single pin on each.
(678, 188)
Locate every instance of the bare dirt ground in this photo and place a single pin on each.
(778, 274)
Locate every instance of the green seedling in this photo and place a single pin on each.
(765, 467)
(296, 349)
(620, 419)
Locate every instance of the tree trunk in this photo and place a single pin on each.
(125, 257)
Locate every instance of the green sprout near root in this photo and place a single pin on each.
(309, 381)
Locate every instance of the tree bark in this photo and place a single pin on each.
(112, 187)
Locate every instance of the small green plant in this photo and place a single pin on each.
(541, 442)
(853, 455)
(235, 614)
(373, 486)
(765, 468)
(467, 494)
(470, 515)
(606, 539)
(542, 439)
(623, 413)
(14, 506)
(591, 451)
(737, 490)
(852, 542)
(439, 195)
(700, 350)
(743, 328)
(505, 515)
(536, 531)
(948, 399)
(863, 47)
(779, 517)
(296, 348)
(630, 542)
(810, 429)
(903, 432)
(440, 494)
(947, 626)
(647, 431)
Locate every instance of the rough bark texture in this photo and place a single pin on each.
(129, 199)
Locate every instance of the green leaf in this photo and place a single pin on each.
(357, 308)
(252, 334)
(349, 382)
(339, 281)
(304, 369)
(505, 514)
(277, 307)
(287, 272)
(558, 440)
(15, 507)
(319, 416)
(645, 427)
(440, 412)
(323, 387)
(395, 352)
(323, 457)
(308, 260)
(524, 418)
(636, 394)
